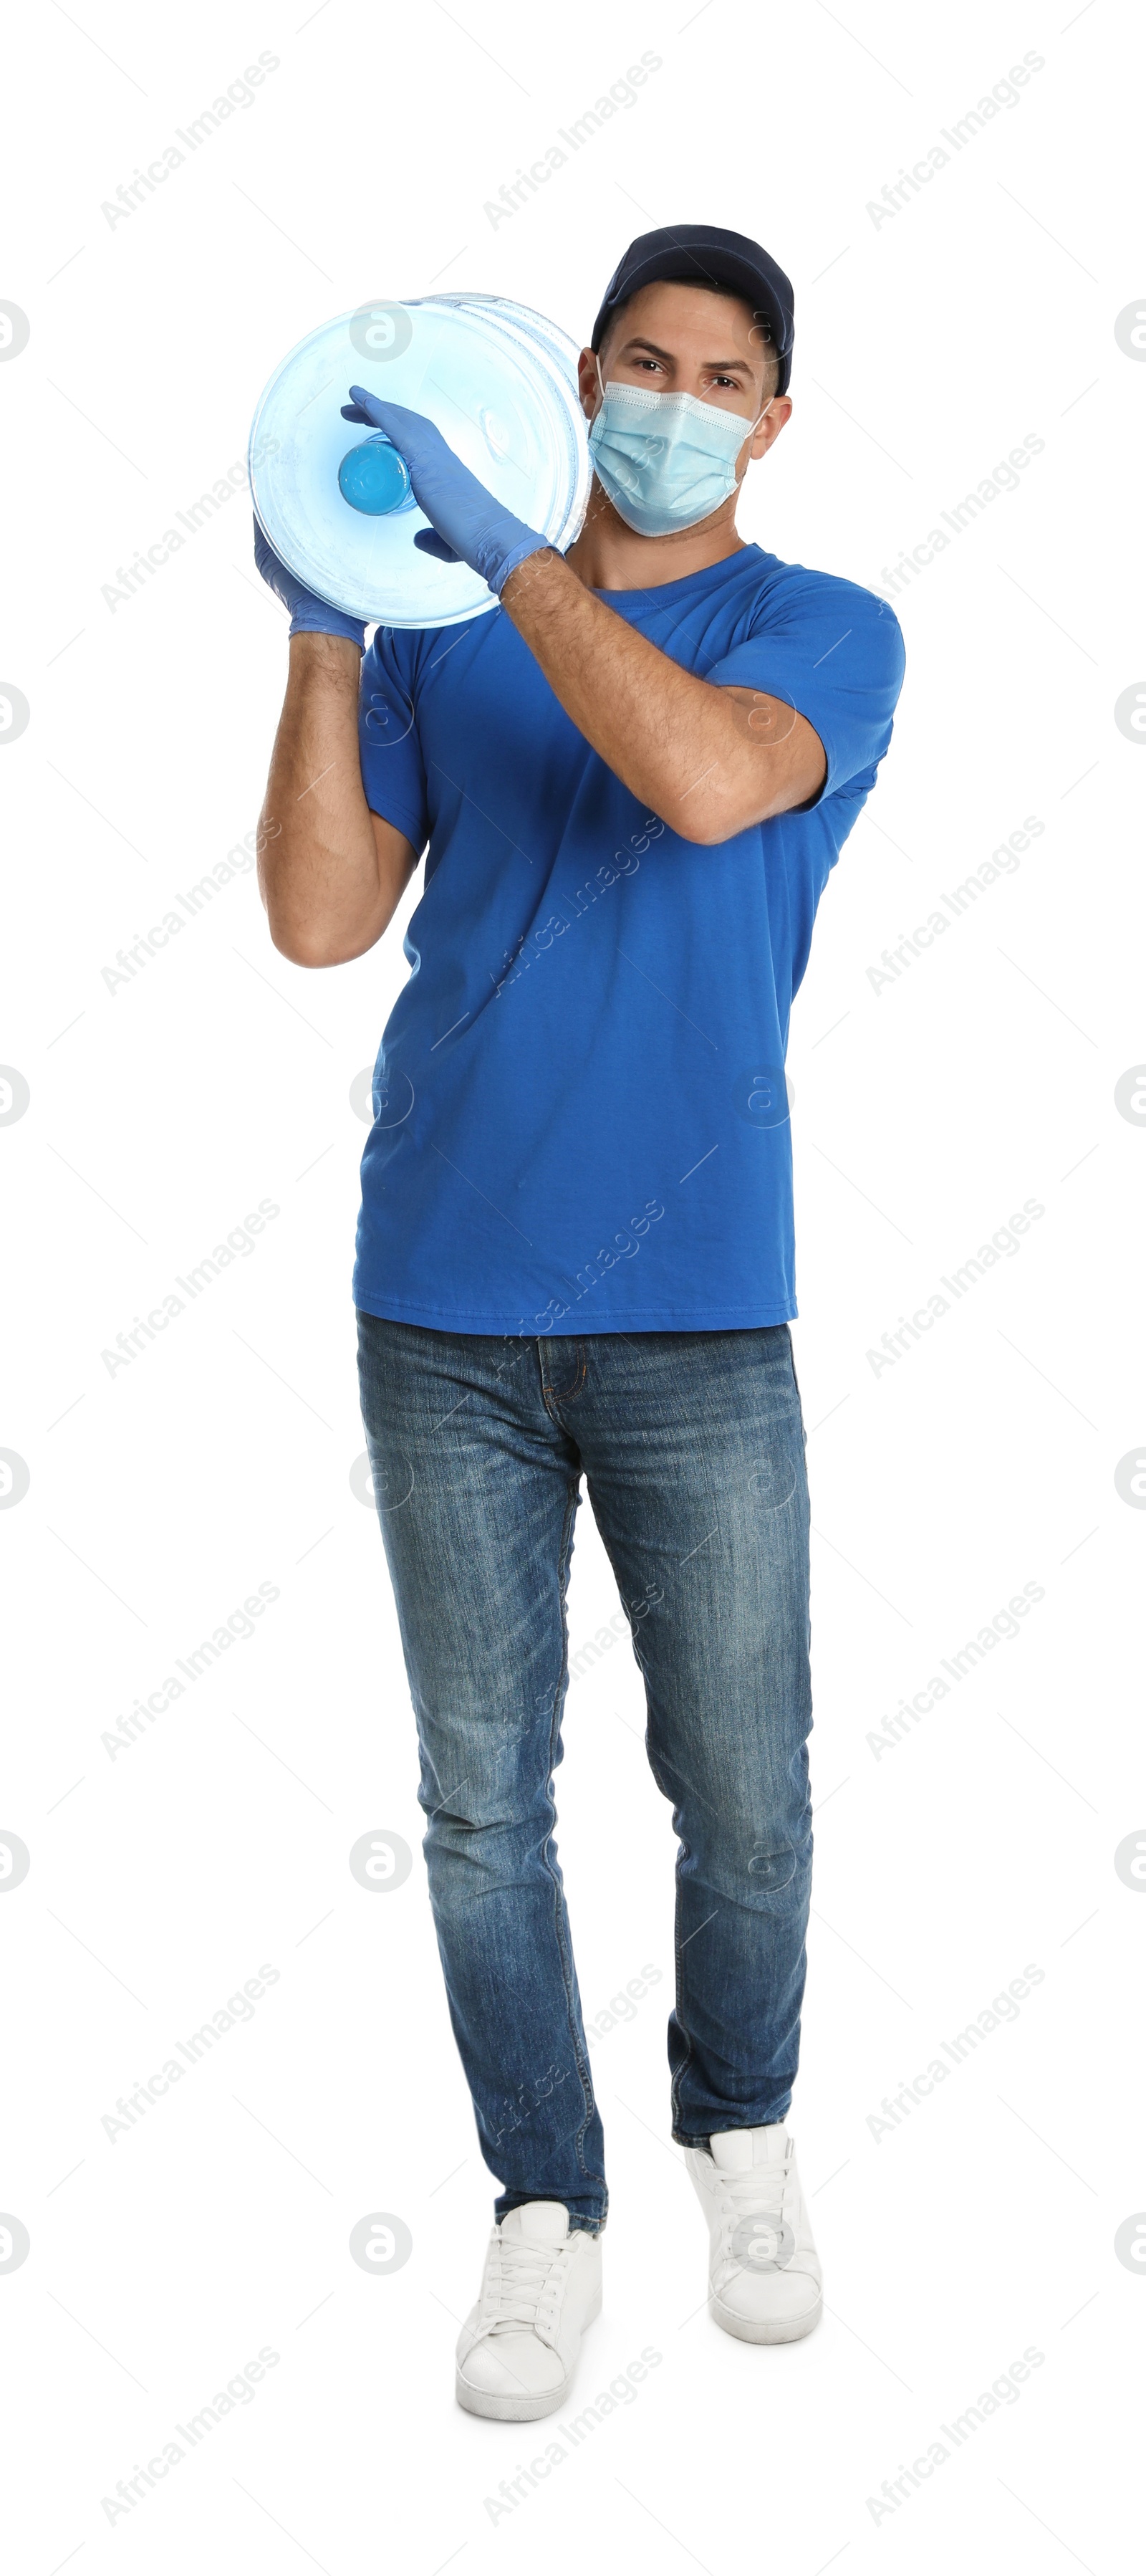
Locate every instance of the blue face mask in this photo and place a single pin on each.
(666, 460)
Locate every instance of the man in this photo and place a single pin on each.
(575, 1247)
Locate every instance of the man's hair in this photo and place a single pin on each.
(711, 286)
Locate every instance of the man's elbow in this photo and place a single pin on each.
(311, 945)
(702, 821)
(707, 826)
(717, 808)
(723, 816)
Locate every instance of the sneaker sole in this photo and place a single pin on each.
(510, 2410)
(530, 2406)
(765, 2329)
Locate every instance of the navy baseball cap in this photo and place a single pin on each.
(709, 257)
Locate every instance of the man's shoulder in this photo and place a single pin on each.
(846, 632)
(784, 588)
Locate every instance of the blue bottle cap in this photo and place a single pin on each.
(374, 478)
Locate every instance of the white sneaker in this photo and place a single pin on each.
(518, 2348)
(764, 2277)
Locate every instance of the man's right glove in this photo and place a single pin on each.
(309, 615)
(467, 524)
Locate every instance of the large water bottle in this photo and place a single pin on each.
(335, 501)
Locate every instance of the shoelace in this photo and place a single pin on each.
(524, 2270)
(760, 2192)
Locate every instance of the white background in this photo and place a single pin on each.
(928, 345)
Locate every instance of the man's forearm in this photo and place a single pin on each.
(708, 760)
(318, 859)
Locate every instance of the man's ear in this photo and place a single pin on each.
(588, 384)
(768, 430)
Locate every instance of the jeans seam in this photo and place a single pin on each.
(547, 1389)
(686, 2062)
(582, 2063)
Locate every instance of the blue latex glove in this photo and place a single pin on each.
(469, 526)
(308, 614)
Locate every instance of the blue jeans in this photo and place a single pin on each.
(692, 1447)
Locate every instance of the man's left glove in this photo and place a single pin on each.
(469, 526)
(309, 615)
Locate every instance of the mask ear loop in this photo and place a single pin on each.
(761, 415)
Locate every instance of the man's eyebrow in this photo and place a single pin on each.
(713, 366)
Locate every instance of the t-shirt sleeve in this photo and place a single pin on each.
(835, 653)
(393, 773)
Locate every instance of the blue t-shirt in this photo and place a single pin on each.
(580, 1122)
